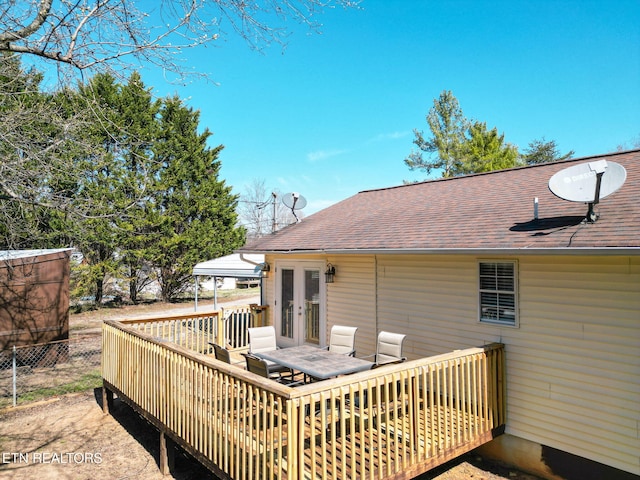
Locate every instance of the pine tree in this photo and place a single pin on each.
(458, 146)
(485, 150)
(448, 127)
(541, 151)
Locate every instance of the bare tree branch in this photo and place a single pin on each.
(42, 12)
(114, 35)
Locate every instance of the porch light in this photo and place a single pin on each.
(329, 273)
(265, 268)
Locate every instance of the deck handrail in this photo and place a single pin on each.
(196, 331)
(390, 422)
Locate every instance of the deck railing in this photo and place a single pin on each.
(196, 331)
(395, 421)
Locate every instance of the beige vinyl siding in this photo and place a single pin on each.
(351, 299)
(573, 364)
(576, 363)
(434, 300)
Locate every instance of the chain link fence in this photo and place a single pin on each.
(36, 372)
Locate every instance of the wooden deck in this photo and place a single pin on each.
(392, 422)
(380, 450)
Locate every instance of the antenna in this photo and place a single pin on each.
(294, 201)
(273, 217)
(588, 183)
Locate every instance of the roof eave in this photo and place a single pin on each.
(619, 251)
(225, 273)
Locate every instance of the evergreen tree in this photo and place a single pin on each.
(194, 212)
(448, 127)
(140, 183)
(460, 147)
(485, 150)
(118, 177)
(95, 234)
(540, 151)
(140, 115)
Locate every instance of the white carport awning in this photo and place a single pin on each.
(233, 266)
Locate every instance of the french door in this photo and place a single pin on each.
(300, 305)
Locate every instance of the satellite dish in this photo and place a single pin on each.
(578, 182)
(588, 183)
(294, 201)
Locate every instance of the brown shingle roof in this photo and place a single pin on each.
(490, 211)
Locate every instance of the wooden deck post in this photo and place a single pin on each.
(167, 454)
(107, 399)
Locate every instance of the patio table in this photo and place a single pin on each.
(316, 362)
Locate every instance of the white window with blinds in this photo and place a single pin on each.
(498, 292)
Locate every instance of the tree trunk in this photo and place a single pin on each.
(99, 291)
(133, 291)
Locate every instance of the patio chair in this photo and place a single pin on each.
(389, 348)
(388, 351)
(263, 339)
(342, 340)
(222, 353)
(260, 367)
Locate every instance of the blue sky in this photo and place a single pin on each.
(333, 114)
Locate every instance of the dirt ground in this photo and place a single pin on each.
(69, 437)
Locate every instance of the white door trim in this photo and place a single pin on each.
(299, 268)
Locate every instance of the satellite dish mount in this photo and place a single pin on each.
(599, 167)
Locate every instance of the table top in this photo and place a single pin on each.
(317, 362)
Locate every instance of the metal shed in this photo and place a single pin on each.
(34, 296)
(236, 265)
